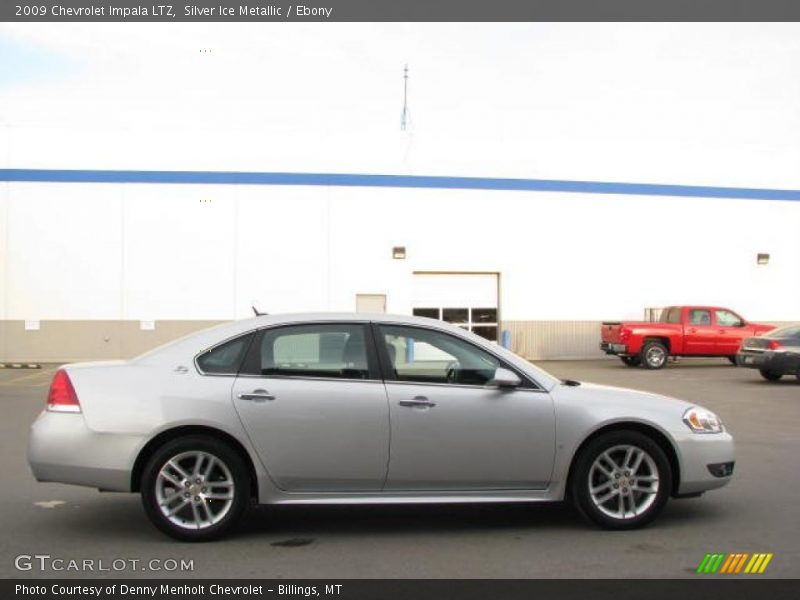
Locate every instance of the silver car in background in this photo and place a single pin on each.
(358, 409)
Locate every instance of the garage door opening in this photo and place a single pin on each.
(468, 300)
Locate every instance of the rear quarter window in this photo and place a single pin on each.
(225, 359)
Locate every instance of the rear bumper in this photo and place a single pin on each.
(615, 349)
(702, 457)
(63, 449)
(779, 362)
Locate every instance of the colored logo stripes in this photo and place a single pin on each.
(735, 563)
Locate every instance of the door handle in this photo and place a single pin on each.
(418, 402)
(256, 395)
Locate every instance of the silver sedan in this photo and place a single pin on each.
(364, 409)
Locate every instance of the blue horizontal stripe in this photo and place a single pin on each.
(393, 181)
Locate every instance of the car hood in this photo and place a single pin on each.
(597, 405)
(596, 392)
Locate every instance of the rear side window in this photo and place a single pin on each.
(321, 350)
(225, 359)
(671, 315)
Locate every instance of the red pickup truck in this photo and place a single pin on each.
(681, 331)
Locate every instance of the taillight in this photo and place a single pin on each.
(62, 396)
(624, 334)
(774, 345)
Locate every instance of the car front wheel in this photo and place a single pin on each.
(621, 480)
(195, 488)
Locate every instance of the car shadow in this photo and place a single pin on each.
(787, 380)
(354, 520)
(688, 364)
(123, 519)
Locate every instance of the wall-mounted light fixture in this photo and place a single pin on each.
(399, 252)
(762, 258)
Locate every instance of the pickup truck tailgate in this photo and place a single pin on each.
(609, 332)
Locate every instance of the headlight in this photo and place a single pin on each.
(701, 420)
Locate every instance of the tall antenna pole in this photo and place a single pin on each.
(404, 118)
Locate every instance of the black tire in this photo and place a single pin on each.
(770, 375)
(584, 476)
(631, 361)
(182, 451)
(732, 360)
(654, 355)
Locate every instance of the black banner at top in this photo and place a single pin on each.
(399, 10)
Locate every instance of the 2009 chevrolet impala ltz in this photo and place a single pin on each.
(347, 408)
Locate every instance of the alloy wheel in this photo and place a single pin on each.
(623, 482)
(655, 356)
(194, 490)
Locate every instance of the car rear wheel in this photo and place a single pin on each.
(631, 361)
(654, 355)
(621, 480)
(770, 375)
(195, 488)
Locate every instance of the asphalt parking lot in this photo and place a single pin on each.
(757, 512)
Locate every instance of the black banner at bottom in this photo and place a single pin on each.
(372, 589)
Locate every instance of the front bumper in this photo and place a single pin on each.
(701, 455)
(63, 449)
(615, 349)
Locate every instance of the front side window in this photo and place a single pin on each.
(426, 356)
(726, 318)
(324, 350)
(226, 358)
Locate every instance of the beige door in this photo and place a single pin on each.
(371, 303)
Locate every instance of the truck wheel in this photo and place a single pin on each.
(770, 375)
(631, 361)
(621, 480)
(654, 355)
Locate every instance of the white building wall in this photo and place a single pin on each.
(4, 212)
(192, 252)
(64, 252)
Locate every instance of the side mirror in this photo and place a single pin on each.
(505, 378)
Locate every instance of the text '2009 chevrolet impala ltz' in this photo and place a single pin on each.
(357, 409)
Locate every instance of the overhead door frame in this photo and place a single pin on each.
(497, 279)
